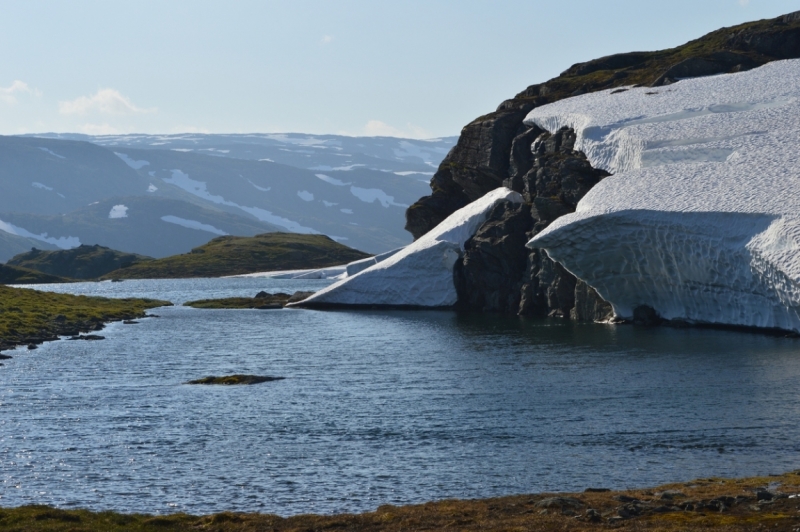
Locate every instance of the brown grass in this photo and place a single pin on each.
(542, 512)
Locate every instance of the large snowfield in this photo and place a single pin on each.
(421, 274)
(701, 219)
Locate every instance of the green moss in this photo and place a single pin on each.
(30, 316)
(234, 255)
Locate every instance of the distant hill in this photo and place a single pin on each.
(231, 255)
(11, 244)
(83, 262)
(17, 275)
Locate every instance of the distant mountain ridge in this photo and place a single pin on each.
(63, 190)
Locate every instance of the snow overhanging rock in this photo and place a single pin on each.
(701, 219)
(419, 275)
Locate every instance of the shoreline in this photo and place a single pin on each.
(716, 504)
(31, 317)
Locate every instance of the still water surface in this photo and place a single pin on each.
(380, 407)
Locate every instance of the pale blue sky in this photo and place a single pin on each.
(358, 67)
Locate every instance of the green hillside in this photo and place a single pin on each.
(82, 262)
(235, 255)
(16, 275)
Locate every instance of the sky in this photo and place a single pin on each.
(411, 68)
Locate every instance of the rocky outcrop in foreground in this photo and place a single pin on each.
(496, 273)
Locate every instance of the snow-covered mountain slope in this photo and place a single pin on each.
(701, 220)
(421, 274)
(363, 209)
(153, 226)
(353, 189)
(45, 176)
(326, 153)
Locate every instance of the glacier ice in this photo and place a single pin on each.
(701, 219)
(421, 274)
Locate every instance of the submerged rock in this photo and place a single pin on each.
(230, 380)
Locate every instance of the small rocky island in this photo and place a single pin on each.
(233, 380)
(262, 301)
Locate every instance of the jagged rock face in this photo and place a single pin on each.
(490, 275)
(496, 274)
(476, 165)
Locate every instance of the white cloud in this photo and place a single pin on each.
(118, 211)
(106, 101)
(326, 39)
(376, 128)
(7, 94)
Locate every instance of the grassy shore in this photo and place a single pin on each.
(261, 301)
(711, 504)
(33, 317)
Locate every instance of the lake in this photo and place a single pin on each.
(380, 407)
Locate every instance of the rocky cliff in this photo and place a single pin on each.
(496, 272)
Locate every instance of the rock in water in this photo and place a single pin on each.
(421, 274)
(232, 380)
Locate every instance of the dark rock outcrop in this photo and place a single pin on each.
(497, 272)
(498, 148)
(489, 276)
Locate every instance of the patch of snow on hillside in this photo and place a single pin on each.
(421, 274)
(193, 224)
(409, 149)
(411, 172)
(332, 180)
(305, 195)
(701, 220)
(136, 165)
(51, 152)
(368, 195)
(152, 188)
(199, 189)
(36, 184)
(326, 168)
(262, 189)
(329, 203)
(118, 211)
(347, 211)
(64, 242)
